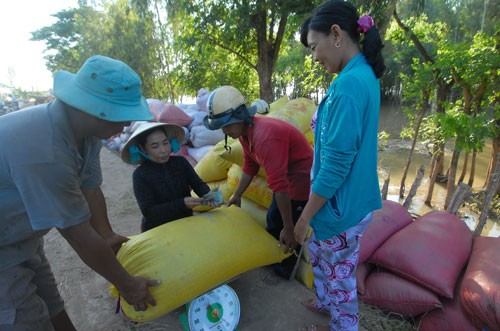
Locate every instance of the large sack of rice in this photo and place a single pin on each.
(431, 251)
(155, 108)
(297, 112)
(173, 114)
(257, 191)
(452, 317)
(194, 255)
(235, 155)
(393, 293)
(201, 136)
(259, 213)
(386, 221)
(480, 289)
(277, 104)
(211, 167)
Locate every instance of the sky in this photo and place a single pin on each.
(24, 58)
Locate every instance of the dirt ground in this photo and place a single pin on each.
(267, 302)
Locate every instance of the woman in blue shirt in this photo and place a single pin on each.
(344, 181)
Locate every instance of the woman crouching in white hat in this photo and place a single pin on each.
(162, 183)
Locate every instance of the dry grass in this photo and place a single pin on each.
(374, 319)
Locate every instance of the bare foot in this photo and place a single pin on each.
(310, 304)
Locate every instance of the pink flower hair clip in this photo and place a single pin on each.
(365, 23)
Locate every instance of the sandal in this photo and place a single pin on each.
(315, 327)
(310, 304)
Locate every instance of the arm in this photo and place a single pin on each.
(302, 227)
(196, 183)
(99, 218)
(95, 252)
(285, 208)
(245, 180)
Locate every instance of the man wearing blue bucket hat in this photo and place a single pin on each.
(50, 177)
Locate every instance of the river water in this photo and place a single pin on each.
(392, 160)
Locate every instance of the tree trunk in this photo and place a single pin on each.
(413, 143)
(495, 150)
(414, 186)
(439, 164)
(472, 168)
(493, 186)
(460, 194)
(268, 48)
(450, 188)
(464, 168)
(385, 187)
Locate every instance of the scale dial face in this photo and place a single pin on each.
(218, 310)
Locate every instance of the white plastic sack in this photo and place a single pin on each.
(197, 119)
(201, 136)
(197, 153)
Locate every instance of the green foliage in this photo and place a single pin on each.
(468, 131)
(234, 43)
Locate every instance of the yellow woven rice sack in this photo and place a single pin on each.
(297, 112)
(278, 103)
(310, 137)
(236, 156)
(211, 166)
(305, 274)
(195, 254)
(258, 212)
(257, 191)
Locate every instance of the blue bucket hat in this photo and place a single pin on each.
(104, 88)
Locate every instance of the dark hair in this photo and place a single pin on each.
(346, 17)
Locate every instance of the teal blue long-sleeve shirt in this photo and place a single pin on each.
(345, 150)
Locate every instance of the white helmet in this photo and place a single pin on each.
(261, 105)
(226, 105)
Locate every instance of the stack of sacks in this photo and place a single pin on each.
(116, 142)
(416, 268)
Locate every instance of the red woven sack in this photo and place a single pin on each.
(392, 293)
(431, 251)
(362, 271)
(386, 221)
(155, 107)
(480, 289)
(451, 318)
(173, 114)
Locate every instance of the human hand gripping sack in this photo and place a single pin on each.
(115, 241)
(287, 240)
(136, 292)
(235, 200)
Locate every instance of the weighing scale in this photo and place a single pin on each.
(218, 309)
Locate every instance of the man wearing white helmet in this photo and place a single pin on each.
(278, 147)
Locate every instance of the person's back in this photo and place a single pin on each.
(284, 153)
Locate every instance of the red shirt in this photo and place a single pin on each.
(284, 153)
